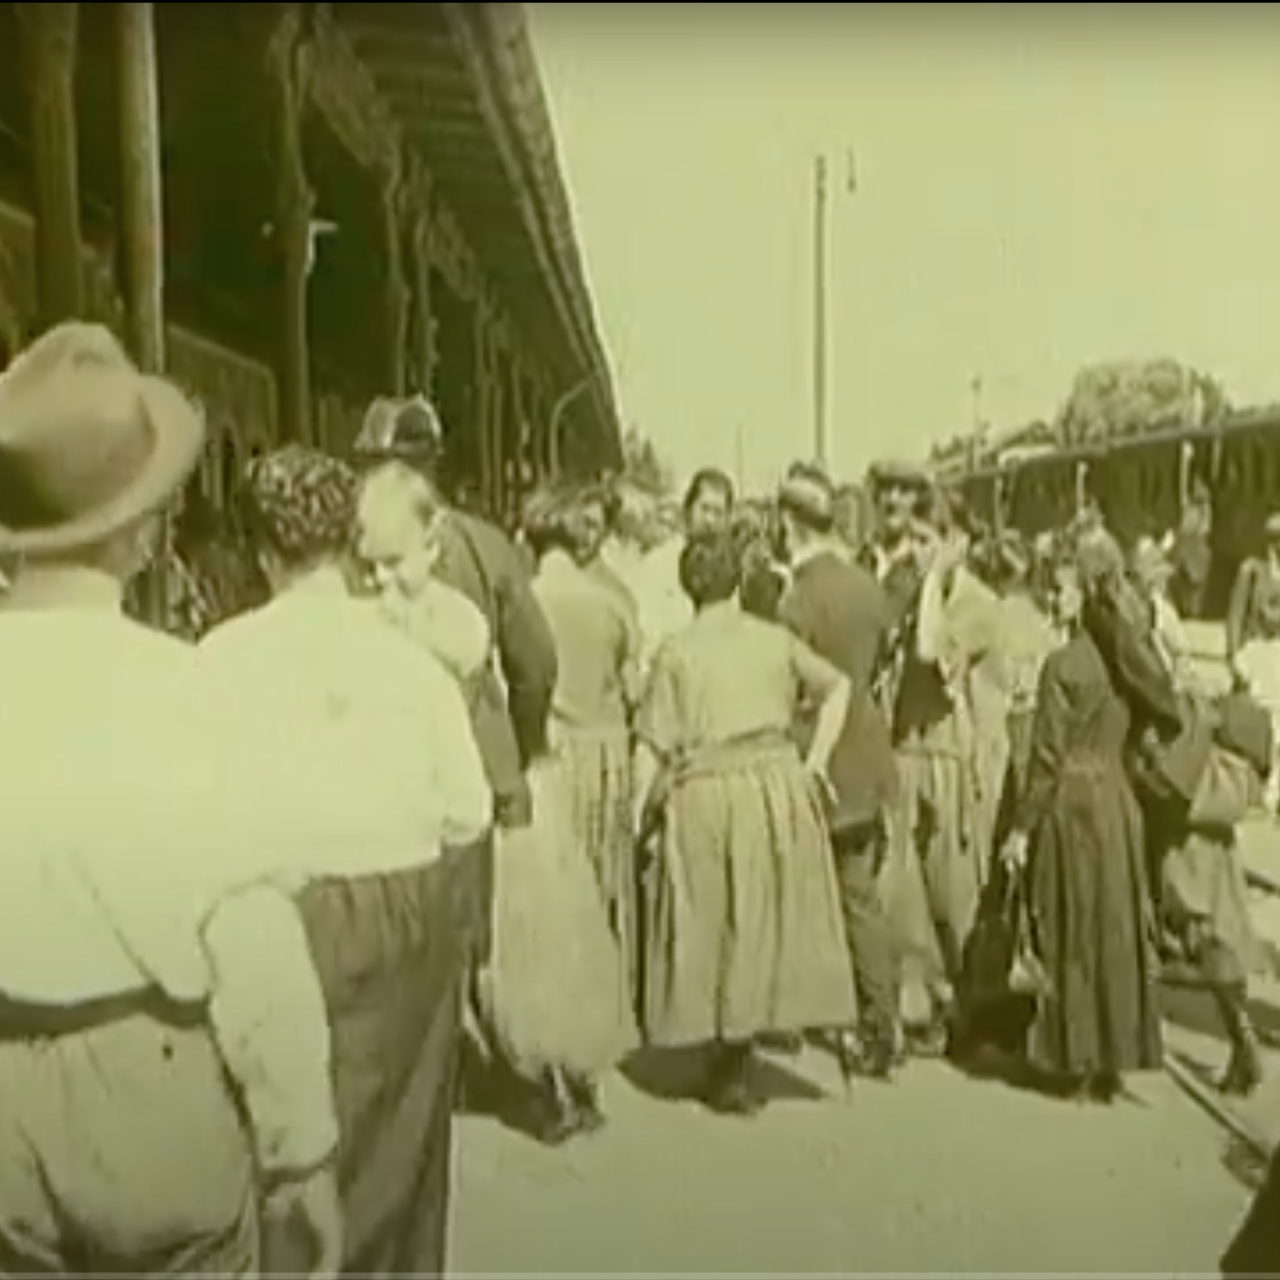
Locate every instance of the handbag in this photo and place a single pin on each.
(1027, 974)
(1001, 959)
(1228, 788)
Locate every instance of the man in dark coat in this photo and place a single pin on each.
(836, 607)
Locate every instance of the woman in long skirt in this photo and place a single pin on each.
(555, 994)
(1078, 833)
(745, 934)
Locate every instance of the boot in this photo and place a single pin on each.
(553, 1117)
(1244, 1070)
(729, 1088)
(586, 1100)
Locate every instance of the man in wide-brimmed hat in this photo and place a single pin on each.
(136, 899)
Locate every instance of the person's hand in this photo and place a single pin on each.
(1014, 851)
(310, 1207)
(821, 780)
(949, 554)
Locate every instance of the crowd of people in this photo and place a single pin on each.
(393, 781)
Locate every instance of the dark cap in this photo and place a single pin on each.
(396, 427)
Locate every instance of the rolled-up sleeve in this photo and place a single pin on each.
(268, 1015)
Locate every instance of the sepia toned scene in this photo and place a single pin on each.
(639, 640)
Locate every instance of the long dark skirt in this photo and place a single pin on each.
(1092, 913)
(391, 951)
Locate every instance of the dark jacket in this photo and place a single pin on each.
(841, 612)
(479, 560)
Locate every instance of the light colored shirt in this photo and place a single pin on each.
(446, 622)
(391, 757)
(597, 642)
(1170, 636)
(1258, 665)
(135, 855)
(663, 609)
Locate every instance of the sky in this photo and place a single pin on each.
(1038, 187)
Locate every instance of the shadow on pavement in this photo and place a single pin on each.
(680, 1074)
(1187, 1004)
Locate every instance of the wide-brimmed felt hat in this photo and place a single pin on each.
(88, 443)
(397, 427)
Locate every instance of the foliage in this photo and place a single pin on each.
(643, 465)
(1124, 398)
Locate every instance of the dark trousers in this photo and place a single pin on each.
(859, 851)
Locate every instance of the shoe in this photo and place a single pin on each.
(729, 1090)
(872, 1057)
(586, 1101)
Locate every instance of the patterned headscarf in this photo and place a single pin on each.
(302, 501)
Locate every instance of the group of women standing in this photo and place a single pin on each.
(676, 887)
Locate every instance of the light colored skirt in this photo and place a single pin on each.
(744, 929)
(932, 877)
(1205, 885)
(599, 781)
(553, 994)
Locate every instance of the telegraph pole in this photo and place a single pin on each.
(821, 439)
(822, 442)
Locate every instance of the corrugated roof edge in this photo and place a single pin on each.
(502, 31)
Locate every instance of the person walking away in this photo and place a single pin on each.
(837, 608)
(557, 992)
(1077, 836)
(1258, 574)
(745, 934)
(381, 907)
(167, 1096)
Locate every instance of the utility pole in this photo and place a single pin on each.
(821, 441)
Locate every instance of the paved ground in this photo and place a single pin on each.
(936, 1173)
